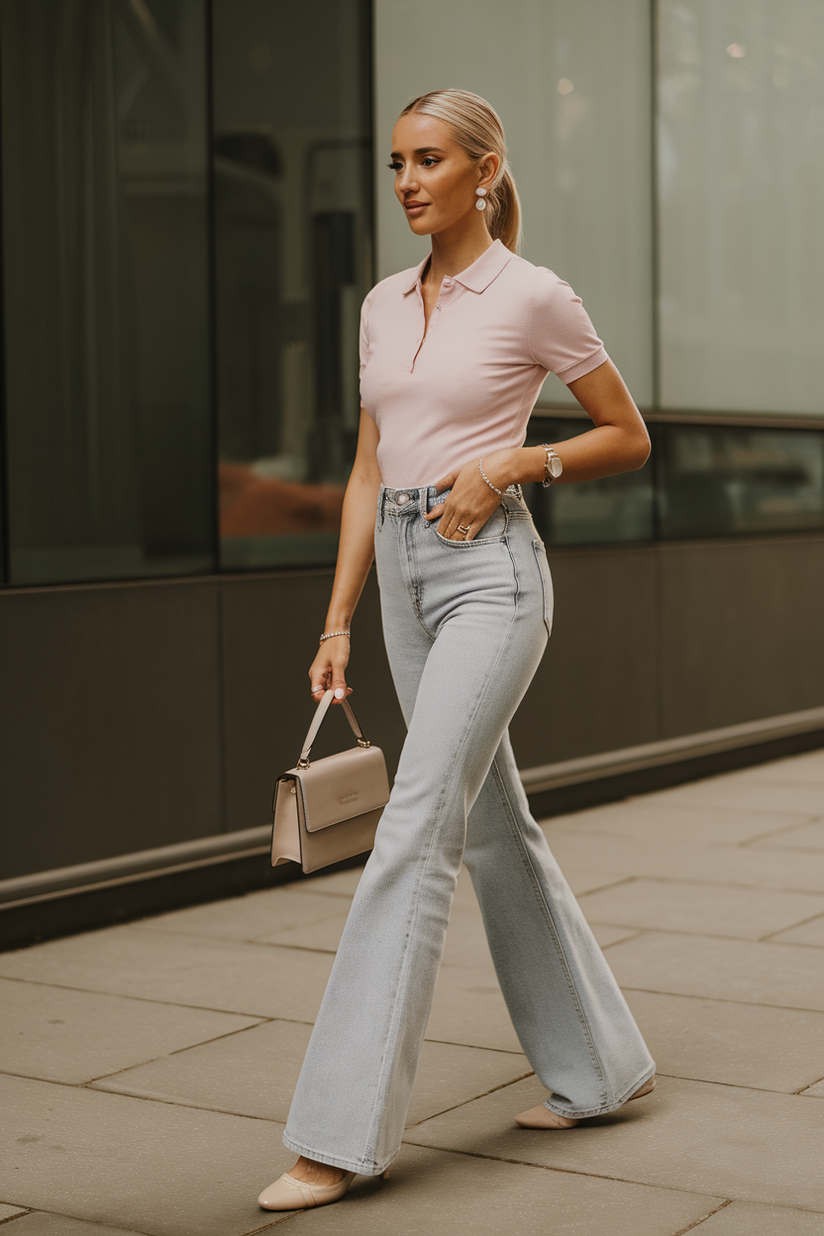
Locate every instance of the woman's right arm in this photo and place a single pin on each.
(355, 554)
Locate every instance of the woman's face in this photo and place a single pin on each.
(435, 179)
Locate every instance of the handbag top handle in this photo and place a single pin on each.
(320, 713)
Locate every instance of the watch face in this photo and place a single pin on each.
(555, 466)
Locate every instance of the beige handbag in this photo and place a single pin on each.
(329, 810)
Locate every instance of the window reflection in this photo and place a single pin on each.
(718, 481)
(700, 481)
(292, 223)
(615, 510)
(106, 288)
(740, 125)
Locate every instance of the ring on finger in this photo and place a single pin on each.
(464, 528)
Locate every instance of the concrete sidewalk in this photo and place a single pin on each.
(147, 1069)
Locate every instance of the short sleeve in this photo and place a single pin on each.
(363, 343)
(562, 339)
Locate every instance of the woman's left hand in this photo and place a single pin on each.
(471, 501)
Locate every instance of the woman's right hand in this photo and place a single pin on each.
(329, 668)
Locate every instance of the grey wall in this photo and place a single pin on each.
(142, 714)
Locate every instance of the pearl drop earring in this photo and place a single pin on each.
(481, 202)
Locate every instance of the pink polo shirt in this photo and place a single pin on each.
(469, 385)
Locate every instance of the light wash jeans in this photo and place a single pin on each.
(466, 624)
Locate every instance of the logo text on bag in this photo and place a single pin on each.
(347, 798)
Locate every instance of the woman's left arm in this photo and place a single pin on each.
(618, 443)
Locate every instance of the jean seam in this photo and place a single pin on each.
(537, 548)
(347, 1165)
(543, 904)
(410, 575)
(479, 541)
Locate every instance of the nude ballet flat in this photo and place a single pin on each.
(542, 1118)
(287, 1193)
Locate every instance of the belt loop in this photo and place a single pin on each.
(424, 493)
(381, 504)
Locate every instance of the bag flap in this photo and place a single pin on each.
(341, 786)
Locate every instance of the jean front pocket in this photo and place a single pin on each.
(539, 549)
(491, 533)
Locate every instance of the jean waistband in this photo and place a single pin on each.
(424, 498)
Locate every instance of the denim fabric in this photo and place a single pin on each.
(466, 624)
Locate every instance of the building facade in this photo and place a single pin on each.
(194, 202)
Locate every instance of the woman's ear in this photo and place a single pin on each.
(488, 168)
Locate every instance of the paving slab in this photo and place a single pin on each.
(469, 1009)
(127, 1163)
(736, 1044)
(753, 1219)
(8, 1212)
(586, 877)
(811, 933)
(732, 1142)
(320, 937)
(744, 865)
(801, 837)
(73, 1036)
(694, 825)
(701, 909)
(797, 768)
(255, 1073)
(816, 1091)
(742, 790)
(607, 934)
(430, 1193)
(255, 916)
(40, 1223)
(343, 882)
(255, 979)
(784, 975)
(246, 1074)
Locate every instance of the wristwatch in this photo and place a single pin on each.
(553, 468)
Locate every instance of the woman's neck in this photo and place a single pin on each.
(455, 250)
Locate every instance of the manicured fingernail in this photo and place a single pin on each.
(339, 693)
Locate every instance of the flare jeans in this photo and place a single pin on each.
(466, 624)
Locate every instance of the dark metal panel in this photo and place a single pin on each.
(270, 635)
(595, 689)
(741, 631)
(109, 721)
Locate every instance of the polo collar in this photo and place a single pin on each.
(476, 277)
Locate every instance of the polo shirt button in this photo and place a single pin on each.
(447, 284)
(402, 499)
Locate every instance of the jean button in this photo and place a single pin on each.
(402, 499)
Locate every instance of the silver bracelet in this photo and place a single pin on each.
(498, 491)
(332, 634)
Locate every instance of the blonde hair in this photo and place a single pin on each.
(478, 130)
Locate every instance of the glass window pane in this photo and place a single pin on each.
(741, 190)
(617, 509)
(571, 80)
(292, 221)
(106, 288)
(718, 481)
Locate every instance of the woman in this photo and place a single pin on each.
(453, 355)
